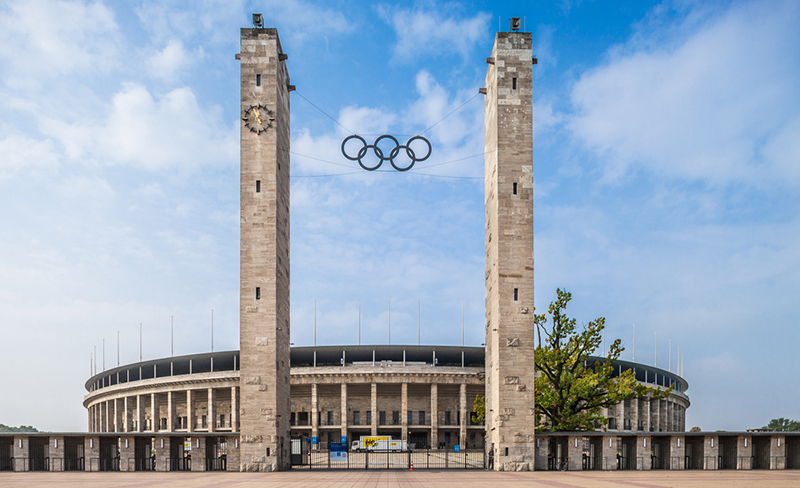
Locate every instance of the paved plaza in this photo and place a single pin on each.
(415, 479)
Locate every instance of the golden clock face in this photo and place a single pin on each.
(258, 118)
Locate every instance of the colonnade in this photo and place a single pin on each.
(648, 414)
(190, 410)
(419, 412)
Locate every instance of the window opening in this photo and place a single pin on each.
(514, 83)
(258, 83)
(515, 188)
(258, 187)
(258, 293)
(516, 294)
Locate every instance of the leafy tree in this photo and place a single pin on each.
(695, 429)
(21, 428)
(783, 425)
(479, 409)
(569, 392)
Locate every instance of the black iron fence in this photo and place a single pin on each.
(415, 459)
(179, 464)
(218, 464)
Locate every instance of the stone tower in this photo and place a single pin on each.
(508, 120)
(264, 258)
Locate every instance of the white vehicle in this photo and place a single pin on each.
(380, 443)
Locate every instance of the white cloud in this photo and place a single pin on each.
(41, 40)
(714, 106)
(433, 33)
(173, 60)
(150, 133)
(207, 21)
(24, 153)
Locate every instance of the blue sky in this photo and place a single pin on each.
(666, 166)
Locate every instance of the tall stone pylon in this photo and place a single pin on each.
(264, 259)
(508, 119)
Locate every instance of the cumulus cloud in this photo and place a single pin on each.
(143, 131)
(20, 152)
(433, 33)
(716, 105)
(173, 60)
(42, 39)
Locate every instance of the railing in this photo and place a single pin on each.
(558, 464)
(421, 459)
(744, 462)
(777, 462)
(179, 464)
(20, 464)
(218, 464)
(104, 464)
(588, 463)
(143, 464)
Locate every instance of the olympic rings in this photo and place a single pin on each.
(380, 155)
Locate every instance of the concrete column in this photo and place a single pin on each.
(541, 452)
(161, 447)
(677, 451)
(198, 453)
(170, 413)
(634, 414)
(126, 453)
(777, 452)
(115, 422)
(374, 407)
(744, 451)
(212, 415)
(609, 453)
(435, 418)
(670, 415)
(574, 453)
(620, 415)
(343, 421)
(404, 411)
(57, 453)
(125, 426)
(663, 418)
(91, 451)
(21, 453)
(139, 414)
(154, 415)
(646, 414)
(463, 427)
(643, 446)
(189, 411)
(710, 452)
(314, 416)
(234, 412)
(233, 451)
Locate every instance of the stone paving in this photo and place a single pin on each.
(415, 479)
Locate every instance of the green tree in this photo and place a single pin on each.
(570, 393)
(783, 425)
(21, 428)
(479, 409)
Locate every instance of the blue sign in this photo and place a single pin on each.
(344, 439)
(314, 440)
(338, 451)
(458, 448)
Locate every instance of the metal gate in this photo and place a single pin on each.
(418, 458)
